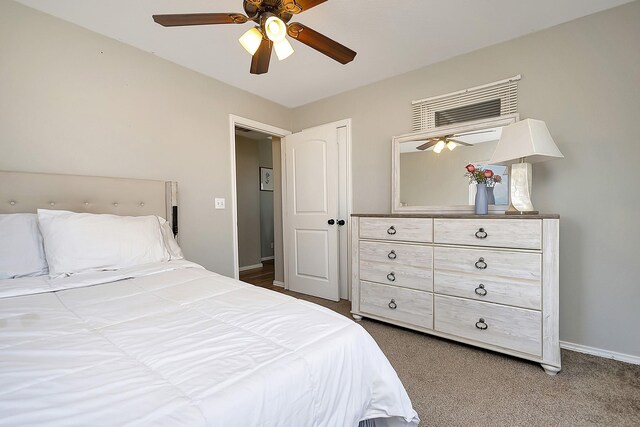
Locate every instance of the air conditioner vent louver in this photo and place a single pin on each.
(491, 100)
(481, 110)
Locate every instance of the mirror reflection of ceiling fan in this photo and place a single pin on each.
(271, 18)
(449, 141)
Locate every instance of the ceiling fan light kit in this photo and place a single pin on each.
(438, 143)
(283, 49)
(272, 17)
(250, 40)
(439, 146)
(275, 28)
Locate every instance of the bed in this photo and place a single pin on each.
(168, 342)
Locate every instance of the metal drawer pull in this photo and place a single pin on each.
(393, 305)
(480, 290)
(480, 324)
(391, 277)
(481, 234)
(481, 264)
(391, 230)
(392, 255)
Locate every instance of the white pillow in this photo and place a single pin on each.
(78, 242)
(21, 251)
(172, 247)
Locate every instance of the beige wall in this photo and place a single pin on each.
(72, 101)
(582, 79)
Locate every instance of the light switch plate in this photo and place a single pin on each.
(219, 203)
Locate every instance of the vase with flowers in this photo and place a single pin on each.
(485, 180)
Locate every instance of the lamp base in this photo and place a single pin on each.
(511, 210)
(523, 213)
(520, 190)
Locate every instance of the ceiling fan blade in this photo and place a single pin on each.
(321, 43)
(466, 144)
(308, 4)
(299, 6)
(260, 60)
(199, 19)
(430, 143)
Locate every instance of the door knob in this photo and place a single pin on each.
(341, 222)
(331, 222)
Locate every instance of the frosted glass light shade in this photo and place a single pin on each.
(275, 28)
(283, 49)
(251, 40)
(439, 146)
(529, 139)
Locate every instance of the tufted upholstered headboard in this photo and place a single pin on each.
(27, 192)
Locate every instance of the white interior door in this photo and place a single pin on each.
(311, 212)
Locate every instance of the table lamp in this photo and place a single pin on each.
(522, 143)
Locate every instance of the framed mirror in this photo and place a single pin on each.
(428, 171)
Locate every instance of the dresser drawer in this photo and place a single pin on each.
(404, 305)
(397, 264)
(508, 327)
(484, 264)
(518, 293)
(405, 229)
(499, 233)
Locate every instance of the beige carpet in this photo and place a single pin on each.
(452, 384)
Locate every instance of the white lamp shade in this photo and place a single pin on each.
(439, 147)
(283, 49)
(276, 29)
(251, 40)
(529, 139)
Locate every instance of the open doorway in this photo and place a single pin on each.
(257, 204)
(256, 186)
(294, 255)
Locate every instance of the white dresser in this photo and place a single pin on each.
(489, 281)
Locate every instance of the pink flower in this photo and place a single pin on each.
(497, 178)
(470, 168)
(488, 173)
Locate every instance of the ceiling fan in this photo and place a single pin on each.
(449, 141)
(271, 17)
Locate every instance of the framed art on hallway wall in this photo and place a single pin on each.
(266, 179)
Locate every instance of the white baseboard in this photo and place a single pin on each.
(279, 284)
(250, 267)
(267, 258)
(628, 358)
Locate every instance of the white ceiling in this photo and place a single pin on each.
(391, 37)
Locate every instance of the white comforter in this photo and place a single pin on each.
(179, 345)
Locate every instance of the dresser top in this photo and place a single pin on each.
(459, 216)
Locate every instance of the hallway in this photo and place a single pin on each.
(262, 277)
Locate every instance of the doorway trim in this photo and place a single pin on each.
(252, 125)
